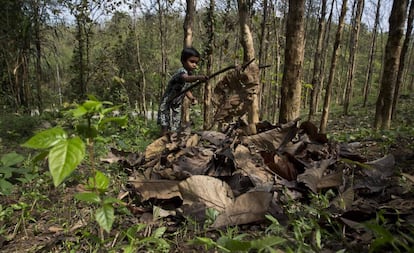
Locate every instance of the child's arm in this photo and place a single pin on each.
(191, 79)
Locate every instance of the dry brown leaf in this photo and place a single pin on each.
(210, 191)
(271, 140)
(156, 148)
(248, 207)
(331, 180)
(196, 161)
(409, 177)
(344, 200)
(158, 189)
(313, 176)
(381, 168)
(252, 165)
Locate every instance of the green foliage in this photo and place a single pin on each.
(12, 172)
(384, 237)
(153, 242)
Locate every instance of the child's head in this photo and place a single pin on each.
(189, 52)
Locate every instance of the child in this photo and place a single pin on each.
(169, 114)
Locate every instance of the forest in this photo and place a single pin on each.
(302, 139)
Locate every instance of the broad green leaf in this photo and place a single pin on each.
(11, 159)
(79, 111)
(111, 200)
(46, 139)
(105, 217)
(92, 106)
(121, 121)
(90, 197)
(64, 158)
(100, 181)
(5, 187)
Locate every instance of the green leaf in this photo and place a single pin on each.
(92, 106)
(105, 217)
(90, 197)
(79, 111)
(99, 181)
(121, 121)
(234, 245)
(111, 200)
(159, 232)
(64, 158)
(5, 187)
(11, 159)
(46, 139)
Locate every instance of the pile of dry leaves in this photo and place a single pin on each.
(244, 177)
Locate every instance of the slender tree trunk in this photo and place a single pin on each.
(317, 61)
(352, 54)
(262, 41)
(334, 59)
(294, 55)
(370, 70)
(391, 61)
(246, 40)
(37, 14)
(208, 90)
(401, 67)
(163, 36)
(188, 41)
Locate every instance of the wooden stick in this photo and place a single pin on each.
(244, 66)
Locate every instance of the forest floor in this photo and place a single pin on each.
(37, 217)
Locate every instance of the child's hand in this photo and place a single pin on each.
(202, 78)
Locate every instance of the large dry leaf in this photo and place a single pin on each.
(157, 189)
(271, 140)
(252, 165)
(248, 207)
(315, 175)
(381, 168)
(280, 164)
(210, 191)
(156, 148)
(215, 138)
(344, 200)
(197, 161)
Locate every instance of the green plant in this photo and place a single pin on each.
(148, 243)
(11, 172)
(65, 152)
(384, 237)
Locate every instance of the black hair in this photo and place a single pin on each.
(188, 52)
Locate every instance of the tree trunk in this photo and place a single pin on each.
(401, 67)
(37, 14)
(188, 41)
(208, 90)
(370, 70)
(163, 37)
(294, 55)
(352, 54)
(391, 62)
(334, 59)
(246, 40)
(262, 57)
(317, 61)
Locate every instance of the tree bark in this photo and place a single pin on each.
(317, 62)
(294, 55)
(401, 67)
(246, 40)
(208, 90)
(370, 70)
(352, 55)
(188, 41)
(334, 59)
(391, 62)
